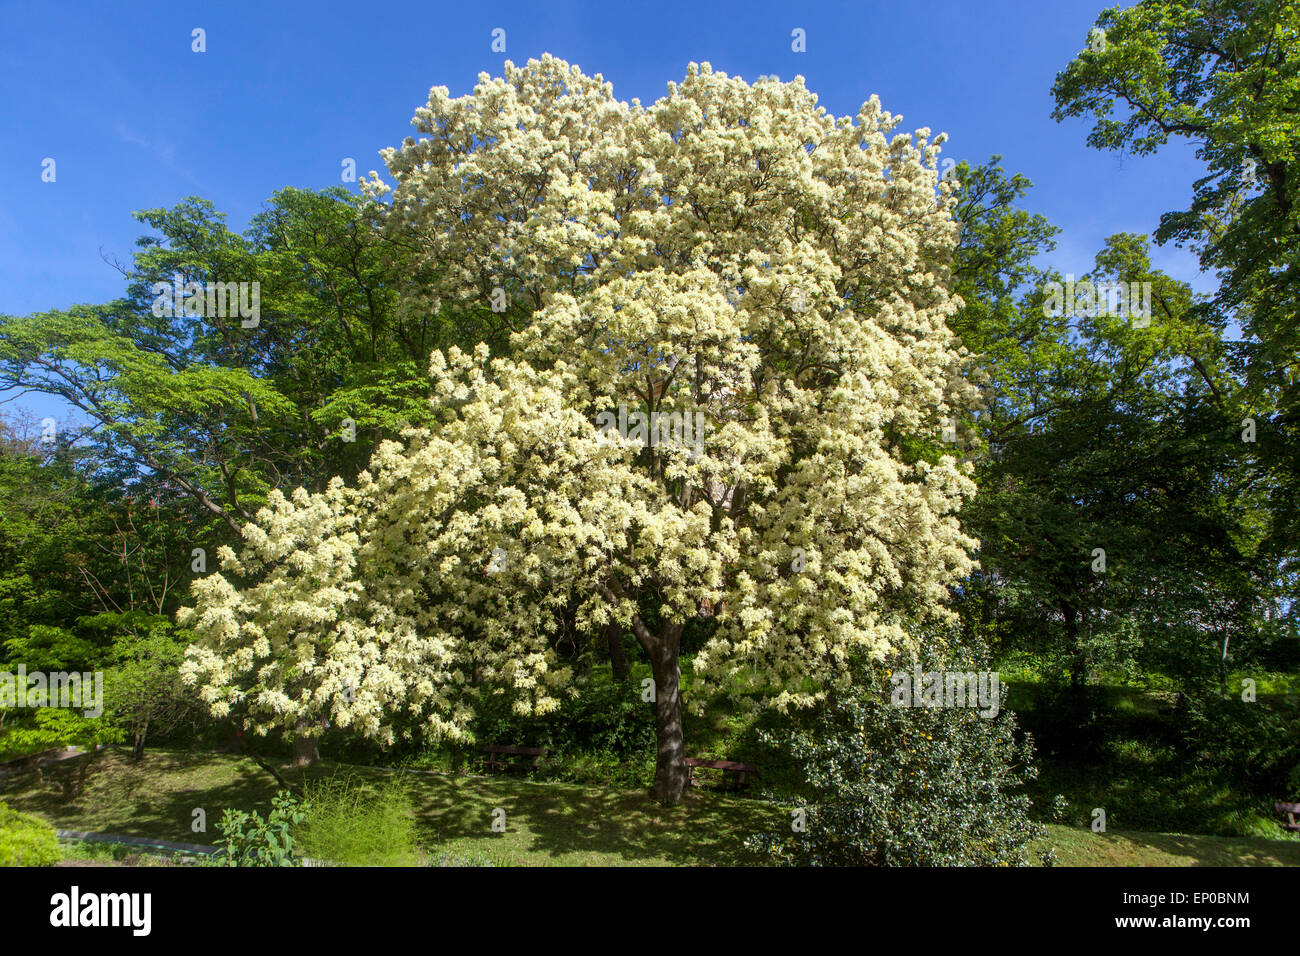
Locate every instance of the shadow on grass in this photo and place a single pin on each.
(573, 825)
(156, 797)
(546, 823)
(1217, 851)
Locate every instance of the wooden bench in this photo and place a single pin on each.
(494, 756)
(726, 766)
(1290, 810)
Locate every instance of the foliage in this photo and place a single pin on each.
(1113, 432)
(56, 727)
(76, 544)
(904, 786)
(248, 840)
(1222, 75)
(1257, 743)
(26, 840)
(143, 686)
(221, 408)
(1157, 759)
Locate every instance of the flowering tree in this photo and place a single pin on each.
(729, 373)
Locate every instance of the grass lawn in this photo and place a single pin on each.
(1082, 847)
(547, 824)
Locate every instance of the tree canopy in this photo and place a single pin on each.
(758, 288)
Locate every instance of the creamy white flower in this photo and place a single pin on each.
(732, 252)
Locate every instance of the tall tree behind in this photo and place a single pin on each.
(1108, 432)
(226, 408)
(1224, 75)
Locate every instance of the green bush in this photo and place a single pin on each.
(606, 716)
(353, 823)
(248, 840)
(1256, 744)
(904, 786)
(26, 840)
(603, 734)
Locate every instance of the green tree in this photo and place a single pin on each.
(1112, 432)
(1223, 75)
(142, 685)
(224, 408)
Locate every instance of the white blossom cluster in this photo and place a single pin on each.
(732, 250)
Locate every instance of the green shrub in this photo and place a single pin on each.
(904, 786)
(26, 840)
(602, 768)
(353, 823)
(248, 840)
(603, 734)
(1256, 744)
(602, 715)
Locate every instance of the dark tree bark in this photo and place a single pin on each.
(137, 745)
(306, 749)
(617, 657)
(670, 760)
(663, 649)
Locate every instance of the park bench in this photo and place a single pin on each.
(726, 766)
(1290, 810)
(494, 755)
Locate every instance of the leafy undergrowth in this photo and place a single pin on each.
(1209, 767)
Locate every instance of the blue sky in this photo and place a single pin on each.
(134, 119)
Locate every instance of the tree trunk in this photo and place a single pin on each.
(617, 658)
(235, 742)
(306, 750)
(137, 747)
(663, 650)
(670, 762)
(1078, 665)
